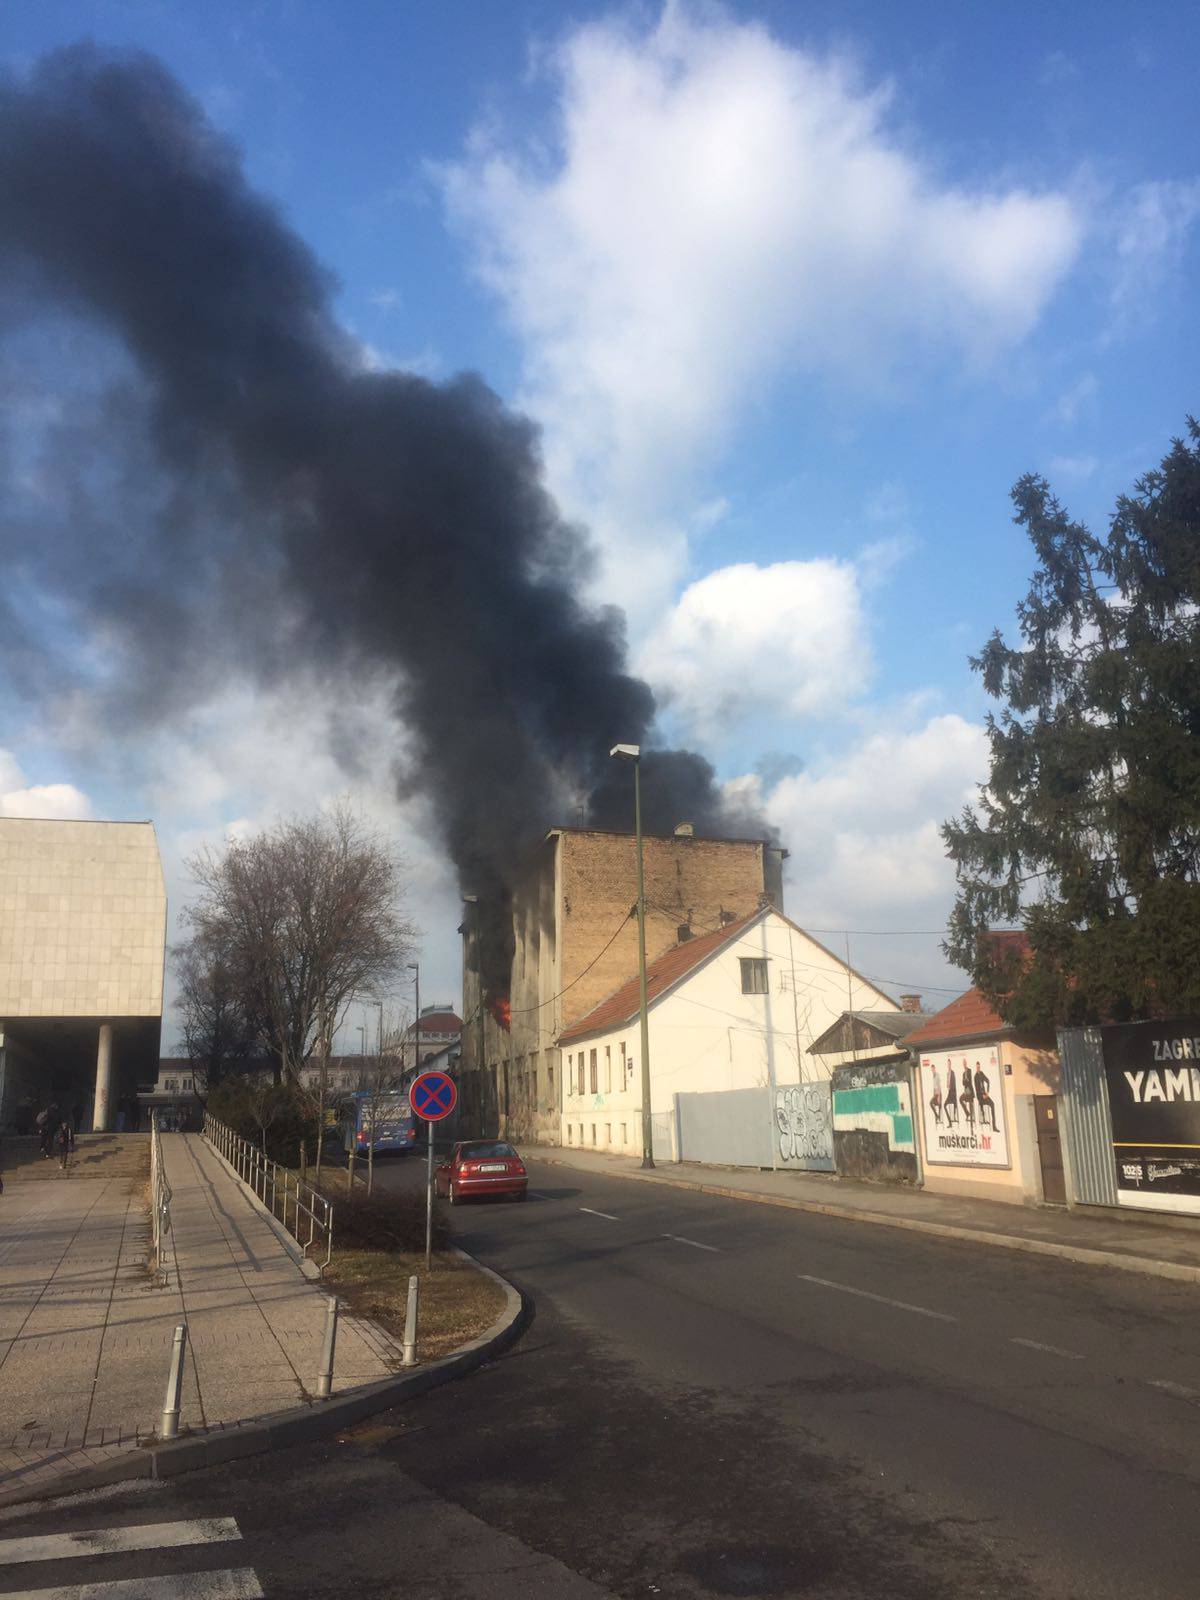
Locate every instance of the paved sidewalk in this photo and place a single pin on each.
(1098, 1237)
(85, 1333)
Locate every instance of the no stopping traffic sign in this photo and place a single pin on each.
(432, 1096)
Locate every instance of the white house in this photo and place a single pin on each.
(734, 1008)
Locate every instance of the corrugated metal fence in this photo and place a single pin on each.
(1086, 1120)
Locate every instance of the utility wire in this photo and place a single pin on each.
(525, 1011)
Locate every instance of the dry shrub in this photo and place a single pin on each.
(389, 1219)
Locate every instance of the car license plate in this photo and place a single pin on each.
(493, 1166)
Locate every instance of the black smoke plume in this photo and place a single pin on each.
(272, 506)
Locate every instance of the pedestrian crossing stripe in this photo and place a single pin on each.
(238, 1583)
(115, 1541)
(233, 1583)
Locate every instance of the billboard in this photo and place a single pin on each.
(962, 1093)
(1153, 1074)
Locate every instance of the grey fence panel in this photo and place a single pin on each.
(731, 1128)
(662, 1135)
(1086, 1120)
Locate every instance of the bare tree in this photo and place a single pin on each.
(305, 915)
(381, 1076)
(262, 1101)
(219, 1036)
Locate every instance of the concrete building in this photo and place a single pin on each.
(574, 942)
(440, 1028)
(730, 1010)
(175, 1096)
(83, 927)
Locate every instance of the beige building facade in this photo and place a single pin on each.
(83, 925)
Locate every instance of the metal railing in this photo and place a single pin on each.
(286, 1196)
(160, 1204)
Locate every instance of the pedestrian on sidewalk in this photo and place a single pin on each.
(65, 1141)
(47, 1122)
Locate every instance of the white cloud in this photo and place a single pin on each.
(251, 757)
(1075, 398)
(1075, 468)
(1155, 222)
(789, 638)
(866, 852)
(21, 799)
(711, 208)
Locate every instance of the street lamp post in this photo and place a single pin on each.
(415, 969)
(473, 900)
(633, 753)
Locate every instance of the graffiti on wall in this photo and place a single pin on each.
(873, 1135)
(805, 1123)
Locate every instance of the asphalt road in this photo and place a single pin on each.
(721, 1399)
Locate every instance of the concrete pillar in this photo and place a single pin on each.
(102, 1115)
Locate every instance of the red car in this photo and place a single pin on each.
(481, 1167)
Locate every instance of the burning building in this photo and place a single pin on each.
(568, 937)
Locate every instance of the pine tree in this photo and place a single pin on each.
(1087, 833)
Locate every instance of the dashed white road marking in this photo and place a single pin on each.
(1050, 1349)
(695, 1243)
(114, 1541)
(238, 1583)
(866, 1294)
(607, 1215)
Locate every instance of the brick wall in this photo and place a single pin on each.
(702, 877)
(577, 893)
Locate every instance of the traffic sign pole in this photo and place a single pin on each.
(432, 1096)
(429, 1199)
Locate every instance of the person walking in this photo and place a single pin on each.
(47, 1122)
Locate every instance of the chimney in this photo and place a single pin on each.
(910, 1002)
(684, 830)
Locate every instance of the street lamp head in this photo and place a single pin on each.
(626, 752)
(470, 899)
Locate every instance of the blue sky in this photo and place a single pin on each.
(796, 293)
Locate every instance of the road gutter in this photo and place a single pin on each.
(1148, 1266)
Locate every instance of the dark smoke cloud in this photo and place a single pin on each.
(238, 494)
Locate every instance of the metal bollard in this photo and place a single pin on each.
(410, 1323)
(170, 1415)
(325, 1376)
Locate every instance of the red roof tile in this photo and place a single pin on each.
(436, 1022)
(970, 1014)
(661, 973)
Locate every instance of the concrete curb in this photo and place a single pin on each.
(1148, 1266)
(299, 1425)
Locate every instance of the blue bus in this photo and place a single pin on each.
(395, 1125)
